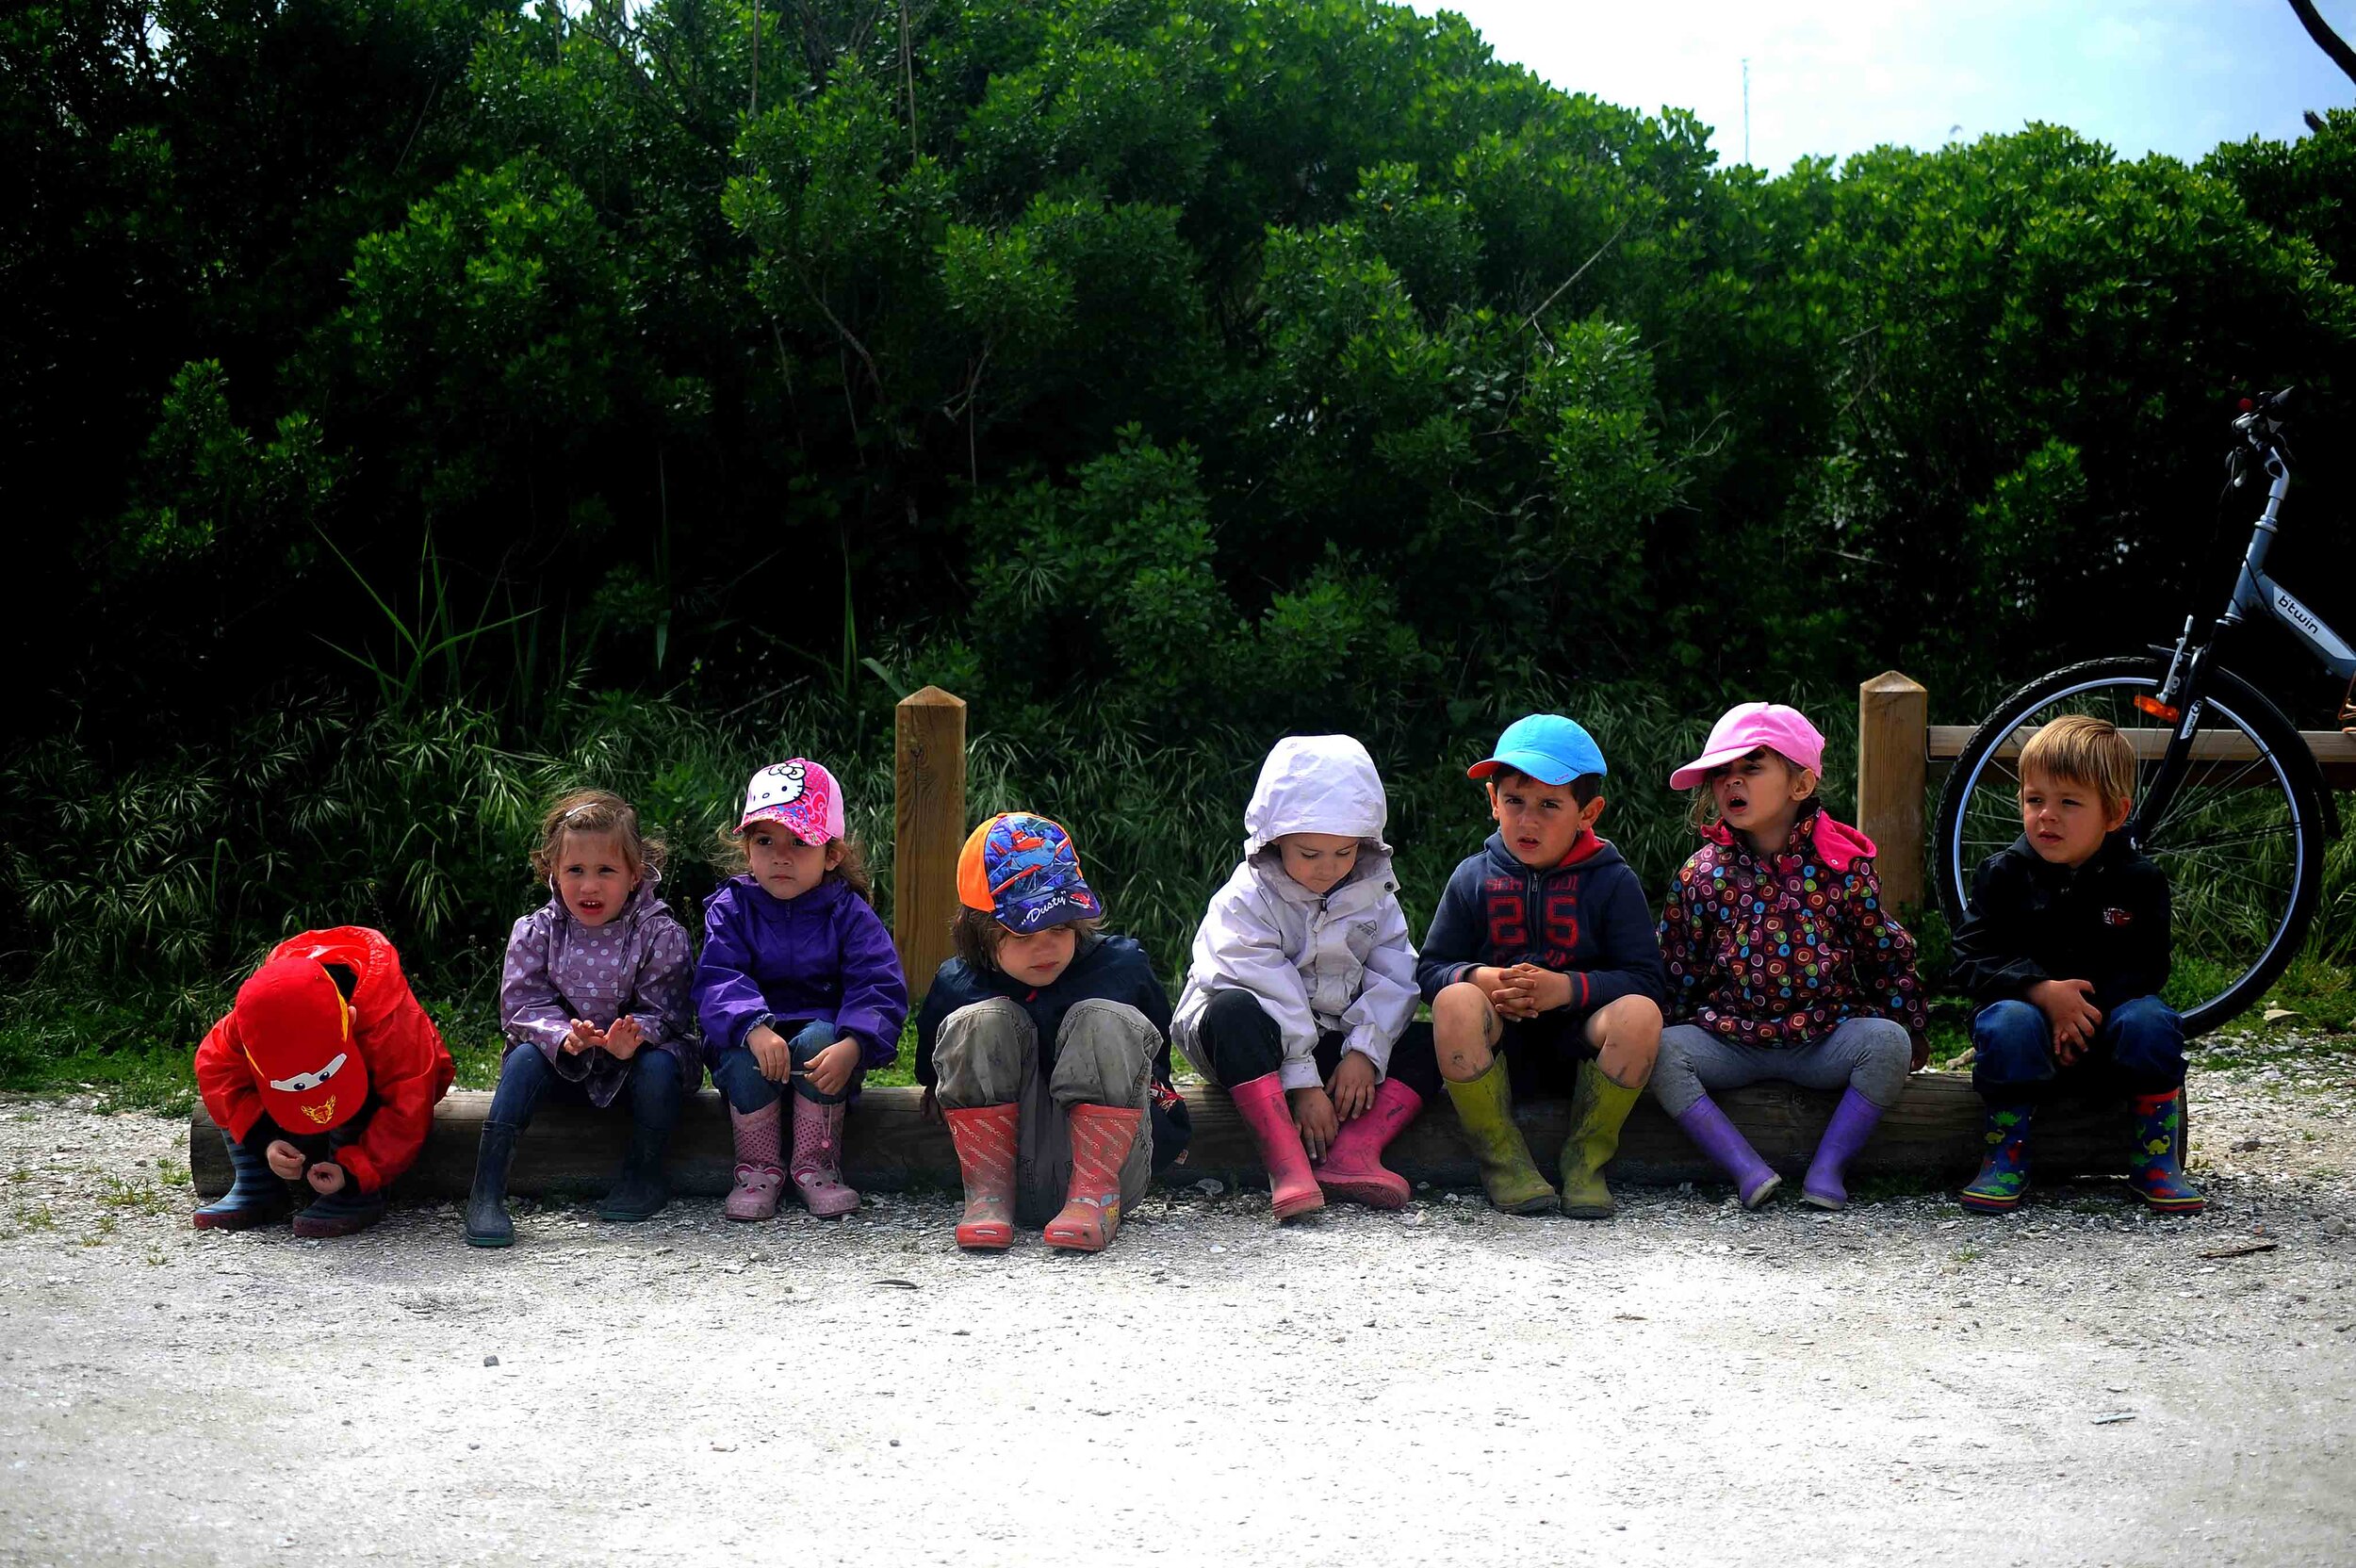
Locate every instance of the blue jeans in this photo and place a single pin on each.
(525, 1078)
(738, 1076)
(2141, 1043)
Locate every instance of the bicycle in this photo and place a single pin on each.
(2229, 800)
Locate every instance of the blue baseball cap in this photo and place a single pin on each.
(1023, 869)
(1547, 746)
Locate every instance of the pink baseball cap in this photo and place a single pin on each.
(799, 796)
(1747, 727)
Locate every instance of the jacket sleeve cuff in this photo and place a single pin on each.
(1370, 1044)
(362, 1169)
(1298, 1072)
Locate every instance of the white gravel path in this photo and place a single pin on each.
(2075, 1384)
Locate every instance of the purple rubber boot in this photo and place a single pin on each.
(1852, 1123)
(1729, 1151)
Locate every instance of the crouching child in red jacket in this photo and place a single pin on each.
(326, 1072)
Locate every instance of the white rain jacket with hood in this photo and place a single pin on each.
(1342, 962)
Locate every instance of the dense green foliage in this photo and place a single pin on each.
(426, 405)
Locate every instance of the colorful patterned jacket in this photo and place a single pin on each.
(1778, 950)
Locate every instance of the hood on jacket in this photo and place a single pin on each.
(1587, 851)
(1840, 845)
(1317, 784)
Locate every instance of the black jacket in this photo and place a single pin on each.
(1108, 968)
(2030, 920)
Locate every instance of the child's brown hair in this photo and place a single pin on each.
(603, 813)
(2088, 752)
(975, 934)
(1702, 813)
(850, 867)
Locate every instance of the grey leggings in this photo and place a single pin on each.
(1870, 1055)
(988, 1054)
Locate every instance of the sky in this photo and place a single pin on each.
(1839, 76)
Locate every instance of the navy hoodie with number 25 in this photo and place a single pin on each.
(1586, 917)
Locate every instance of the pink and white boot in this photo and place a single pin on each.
(759, 1177)
(1352, 1168)
(817, 1167)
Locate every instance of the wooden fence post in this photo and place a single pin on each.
(1892, 766)
(929, 798)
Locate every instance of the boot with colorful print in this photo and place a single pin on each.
(2003, 1162)
(2156, 1169)
(985, 1138)
(1102, 1136)
(817, 1165)
(759, 1172)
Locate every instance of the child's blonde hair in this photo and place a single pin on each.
(1702, 815)
(2088, 752)
(850, 866)
(600, 812)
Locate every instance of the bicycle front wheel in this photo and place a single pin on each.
(2242, 843)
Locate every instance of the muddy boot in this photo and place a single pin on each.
(345, 1212)
(1292, 1191)
(1484, 1108)
(1853, 1122)
(487, 1224)
(255, 1195)
(985, 1136)
(759, 1176)
(1102, 1136)
(1729, 1151)
(641, 1191)
(1599, 1108)
(2156, 1169)
(817, 1167)
(2004, 1162)
(1353, 1168)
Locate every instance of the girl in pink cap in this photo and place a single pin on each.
(798, 985)
(1782, 962)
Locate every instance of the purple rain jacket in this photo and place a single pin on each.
(783, 962)
(559, 970)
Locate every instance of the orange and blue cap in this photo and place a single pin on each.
(1023, 870)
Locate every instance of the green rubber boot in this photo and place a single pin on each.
(1599, 1108)
(1484, 1108)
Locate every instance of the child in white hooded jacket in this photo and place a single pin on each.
(1302, 995)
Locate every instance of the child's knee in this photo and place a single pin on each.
(1465, 1030)
(2011, 1043)
(1627, 1036)
(2149, 1042)
(1104, 1054)
(738, 1077)
(985, 1052)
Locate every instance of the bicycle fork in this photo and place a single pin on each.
(2177, 703)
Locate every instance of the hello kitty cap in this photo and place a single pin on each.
(1743, 729)
(800, 797)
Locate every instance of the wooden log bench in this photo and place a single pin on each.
(1932, 1135)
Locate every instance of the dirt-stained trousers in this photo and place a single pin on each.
(988, 1054)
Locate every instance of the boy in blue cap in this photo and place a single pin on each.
(1543, 952)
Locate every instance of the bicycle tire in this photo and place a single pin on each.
(2282, 770)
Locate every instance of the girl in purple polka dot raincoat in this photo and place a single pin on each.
(1782, 962)
(593, 1002)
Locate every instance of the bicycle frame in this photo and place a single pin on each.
(2256, 596)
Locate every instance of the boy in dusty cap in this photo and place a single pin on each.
(326, 1072)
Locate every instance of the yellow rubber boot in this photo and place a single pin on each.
(1599, 1108)
(1484, 1108)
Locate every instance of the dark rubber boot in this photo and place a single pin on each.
(255, 1196)
(487, 1224)
(342, 1213)
(641, 1191)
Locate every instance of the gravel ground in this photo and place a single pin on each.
(2076, 1383)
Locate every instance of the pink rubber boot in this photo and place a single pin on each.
(817, 1167)
(1353, 1168)
(759, 1179)
(1292, 1191)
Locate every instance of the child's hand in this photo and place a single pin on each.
(770, 1052)
(2068, 1006)
(623, 1040)
(1922, 1053)
(325, 1177)
(1532, 988)
(1351, 1087)
(582, 1035)
(1312, 1115)
(831, 1071)
(930, 1106)
(283, 1158)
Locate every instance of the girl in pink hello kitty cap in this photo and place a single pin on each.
(798, 986)
(1782, 962)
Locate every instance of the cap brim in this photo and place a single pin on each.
(1543, 769)
(1692, 774)
(801, 834)
(1066, 903)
